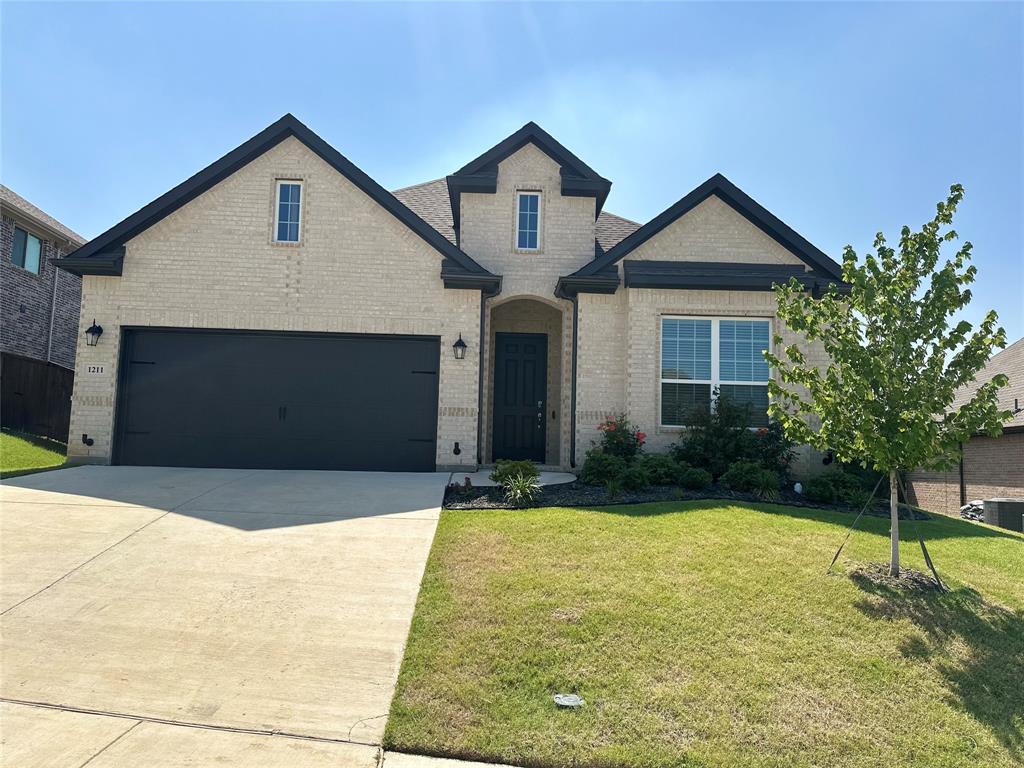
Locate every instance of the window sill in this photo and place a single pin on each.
(528, 251)
(286, 244)
(37, 275)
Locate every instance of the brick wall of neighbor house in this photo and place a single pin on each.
(212, 264)
(26, 302)
(620, 336)
(567, 226)
(993, 468)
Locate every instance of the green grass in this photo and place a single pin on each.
(21, 454)
(708, 634)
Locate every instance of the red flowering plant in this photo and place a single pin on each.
(620, 438)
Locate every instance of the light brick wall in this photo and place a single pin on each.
(487, 223)
(212, 264)
(713, 231)
(993, 468)
(620, 335)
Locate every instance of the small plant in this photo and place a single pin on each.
(620, 438)
(635, 478)
(613, 486)
(751, 477)
(600, 467)
(661, 468)
(520, 490)
(695, 478)
(506, 468)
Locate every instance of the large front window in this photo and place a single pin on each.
(702, 355)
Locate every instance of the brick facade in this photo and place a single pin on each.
(39, 313)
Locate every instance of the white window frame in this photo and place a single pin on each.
(715, 381)
(277, 208)
(540, 221)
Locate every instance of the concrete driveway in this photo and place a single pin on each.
(164, 616)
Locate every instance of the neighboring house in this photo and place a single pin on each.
(989, 467)
(281, 309)
(38, 317)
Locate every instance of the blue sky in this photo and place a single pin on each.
(842, 119)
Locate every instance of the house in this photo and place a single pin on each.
(989, 467)
(281, 309)
(38, 318)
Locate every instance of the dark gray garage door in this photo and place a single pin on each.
(277, 401)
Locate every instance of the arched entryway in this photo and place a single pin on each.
(527, 385)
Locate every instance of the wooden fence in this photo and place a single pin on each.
(35, 396)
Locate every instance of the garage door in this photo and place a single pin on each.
(277, 401)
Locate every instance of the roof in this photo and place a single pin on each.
(741, 202)
(430, 202)
(104, 254)
(13, 200)
(481, 173)
(1010, 362)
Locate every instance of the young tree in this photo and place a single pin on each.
(894, 361)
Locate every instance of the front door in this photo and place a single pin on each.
(520, 392)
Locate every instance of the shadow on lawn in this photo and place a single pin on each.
(938, 527)
(986, 680)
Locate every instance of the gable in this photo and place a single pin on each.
(104, 255)
(714, 231)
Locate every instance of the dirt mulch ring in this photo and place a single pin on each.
(577, 494)
(909, 580)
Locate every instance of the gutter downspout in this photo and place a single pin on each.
(575, 345)
(963, 482)
(480, 387)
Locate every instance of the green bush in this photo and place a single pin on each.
(751, 477)
(842, 486)
(635, 478)
(695, 478)
(661, 468)
(520, 490)
(599, 467)
(715, 440)
(506, 468)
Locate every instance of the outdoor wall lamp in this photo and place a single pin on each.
(93, 333)
(459, 347)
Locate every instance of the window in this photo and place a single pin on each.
(700, 355)
(528, 221)
(26, 251)
(287, 226)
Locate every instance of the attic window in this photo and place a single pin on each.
(528, 221)
(288, 219)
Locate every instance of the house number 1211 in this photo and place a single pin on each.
(94, 369)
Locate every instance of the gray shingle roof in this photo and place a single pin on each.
(13, 200)
(430, 202)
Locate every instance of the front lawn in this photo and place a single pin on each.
(20, 453)
(703, 633)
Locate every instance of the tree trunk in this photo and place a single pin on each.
(894, 529)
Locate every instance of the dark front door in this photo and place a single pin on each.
(277, 400)
(520, 394)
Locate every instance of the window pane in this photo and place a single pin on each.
(33, 249)
(686, 349)
(296, 193)
(741, 344)
(282, 231)
(18, 250)
(293, 233)
(754, 396)
(678, 401)
(282, 211)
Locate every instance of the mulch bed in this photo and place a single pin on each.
(578, 494)
(909, 579)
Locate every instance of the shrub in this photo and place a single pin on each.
(635, 478)
(716, 439)
(506, 468)
(520, 490)
(661, 468)
(695, 478)
(600, 467)
(751, 477)
(841, 486)
(620, 438)
(772, 449)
